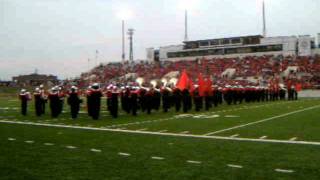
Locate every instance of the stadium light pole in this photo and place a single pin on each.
(264, 19)
(186, 25)
(124, 14)
(123, 43)
(130, 34)
(187, 6)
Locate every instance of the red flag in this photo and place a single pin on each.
(184, 81)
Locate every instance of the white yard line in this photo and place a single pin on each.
(263, 120)
(11, 139)
(95, 150)
(231, 116)
(71, 147)
(157, 158)
(234, 166)
(235, 135)
(29, 142)
(166, 134)
(194, 162)
(263, 137)
(284, 170)
(124, 154)
(293, 139)
(48, 144)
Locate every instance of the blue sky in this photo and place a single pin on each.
(58, 36)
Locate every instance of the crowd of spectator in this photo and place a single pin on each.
(263, 67)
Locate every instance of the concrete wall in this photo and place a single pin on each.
(288, 42)
(304, 44)
(316, 51)
(310, 93)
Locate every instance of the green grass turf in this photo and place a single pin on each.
(304, 125)
(244, 113)
(19, 160)
(83, 118)
(202, 125)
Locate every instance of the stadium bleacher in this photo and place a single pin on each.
(263, 67)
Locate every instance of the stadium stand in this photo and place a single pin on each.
(250, 69)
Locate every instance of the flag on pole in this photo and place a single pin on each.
(184, 81)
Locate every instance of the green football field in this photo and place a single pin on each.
(270, 140)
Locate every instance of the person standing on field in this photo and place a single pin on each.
(95, 101)
(24, 97)
(74, 102)
(38, 102)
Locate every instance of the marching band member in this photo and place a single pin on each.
(24, 97)
(134, 100)
(114, 102)
(38, 101)
(88, 96)
(44, 99)
(61, 98)
(54, 102)
(165, 99)
(177, 97)
(95, 101)
(74, 102)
